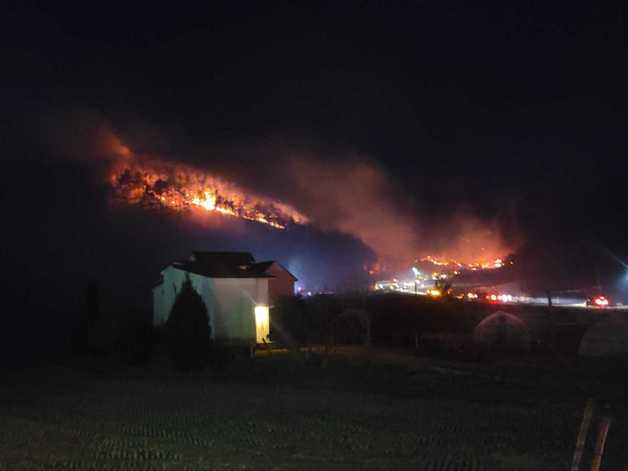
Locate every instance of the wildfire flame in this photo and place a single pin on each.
(479, 265)
(180, 187)
(446, 265)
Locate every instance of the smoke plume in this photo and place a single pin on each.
(333, 192)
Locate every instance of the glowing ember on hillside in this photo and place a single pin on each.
(444, 265)
(180, 187)
(479, 265)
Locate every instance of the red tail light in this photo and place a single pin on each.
(601, 301)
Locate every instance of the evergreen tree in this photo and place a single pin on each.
(188, 330)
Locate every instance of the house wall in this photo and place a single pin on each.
(281, 285)
(230, 302)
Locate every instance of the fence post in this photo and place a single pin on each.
(605, 423)
(582, 435)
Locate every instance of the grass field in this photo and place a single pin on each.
(381, 410)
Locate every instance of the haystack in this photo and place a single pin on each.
(501, 332)
(606, 338)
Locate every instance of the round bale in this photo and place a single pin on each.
(607, 338)
(501, 332)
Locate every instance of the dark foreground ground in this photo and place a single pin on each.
(361, 410)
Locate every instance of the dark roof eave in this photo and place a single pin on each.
(287, 271)
(219, 275)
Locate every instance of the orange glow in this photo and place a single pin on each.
(115, 147)
(435, 293)
(179, 187)
(478, 265)
(472, 243)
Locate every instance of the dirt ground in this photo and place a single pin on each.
(361, 409)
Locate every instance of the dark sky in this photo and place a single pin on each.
(516, 115)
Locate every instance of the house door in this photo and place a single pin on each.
(262, 324)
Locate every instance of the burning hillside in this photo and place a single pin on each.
(348, 195)
(180, 187)
(473, 266)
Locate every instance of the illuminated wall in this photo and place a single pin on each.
(282, 283)
(230, 302)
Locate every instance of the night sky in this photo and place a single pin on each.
(491, 118)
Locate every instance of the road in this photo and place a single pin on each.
(561, 301)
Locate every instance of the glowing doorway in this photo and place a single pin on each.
(262, 324)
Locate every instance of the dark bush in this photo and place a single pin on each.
(352, 326)
(450, 345)
(222, 358)
(136, 341)
(288, 321)
(188, 331)
(321, 312)
(102, 336)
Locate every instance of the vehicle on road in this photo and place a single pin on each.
(598, 300)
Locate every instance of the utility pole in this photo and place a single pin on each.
(597, 277)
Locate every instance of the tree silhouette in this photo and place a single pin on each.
(188, 330)
(92, 302)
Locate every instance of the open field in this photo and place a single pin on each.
(363, 410)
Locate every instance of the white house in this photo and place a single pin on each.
(237, 291)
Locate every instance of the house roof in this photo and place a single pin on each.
(226, 265)
(282, 267)
(263, 266)
(222, 271)
(223, 258)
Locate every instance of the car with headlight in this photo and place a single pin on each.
(598, 300)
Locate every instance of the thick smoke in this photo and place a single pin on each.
(355, 197)
(467, 239)
(68, 134)
(350, 195)
(337, 192)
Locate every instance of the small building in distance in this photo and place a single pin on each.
(237, 291)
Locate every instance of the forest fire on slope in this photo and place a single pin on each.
(440, 265)
(482, 264)
(180, 187)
